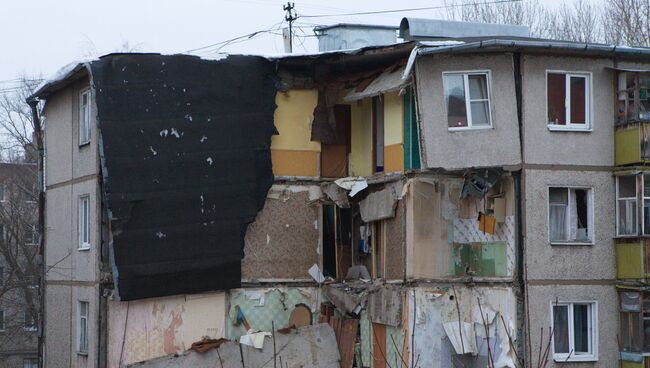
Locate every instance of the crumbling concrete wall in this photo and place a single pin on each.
(150, 328)
(284, 241)
(395, 243)
(443, 234)
(433, 318)
(267, 307)
(308, 347)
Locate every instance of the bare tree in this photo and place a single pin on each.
(626, 22)
(19, 237)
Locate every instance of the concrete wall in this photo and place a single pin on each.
(572, 262)
(146, 329)
(292, 151)
(284, 241)
(73, 274)
(469, 148)
(542, 146)
(541, 297)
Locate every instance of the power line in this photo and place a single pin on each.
(410, 9)
(246, 37)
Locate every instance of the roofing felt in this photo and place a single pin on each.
(186, 166)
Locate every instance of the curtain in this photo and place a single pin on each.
(557, 221)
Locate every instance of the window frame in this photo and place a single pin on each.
(84, 117)
(639, 228)
(588, 126)
(468, 100)
(83, 245)
(82, 350)
(3, 327)
(590, 215)
(592, 356)
(31, 327)
(30, 362)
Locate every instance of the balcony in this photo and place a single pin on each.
(632, 143)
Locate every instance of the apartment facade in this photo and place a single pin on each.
(457, 198)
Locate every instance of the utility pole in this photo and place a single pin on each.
(290, 17)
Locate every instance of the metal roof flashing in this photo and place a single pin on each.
(423, 29)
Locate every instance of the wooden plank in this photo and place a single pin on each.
(378, 345)
(346, 341)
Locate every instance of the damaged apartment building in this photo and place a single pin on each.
(448, 200)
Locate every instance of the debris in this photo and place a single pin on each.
(354, 185)
(357, 272)
(255, 339)
(207, 344)
(378, 205)
(316, 273)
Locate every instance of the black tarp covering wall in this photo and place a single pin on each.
(186, 165)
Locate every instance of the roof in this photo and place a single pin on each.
(355, 25)
(504, 44)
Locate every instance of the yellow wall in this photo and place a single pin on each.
(292, 151)
(361, 138)
(393, 132)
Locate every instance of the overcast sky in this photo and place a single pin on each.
(40, 36)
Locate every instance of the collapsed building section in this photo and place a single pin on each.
(185, 150)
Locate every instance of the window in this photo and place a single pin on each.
(2, 276)
(2, 320)
(30, 363)
(84, 222)
(467, 96)
(31, 235)
(568, 100)
(574, 331)
(635, 321)
(626, 206)
(84, 117)
(29, 323)
(82, 327)
(633, 101)
(570, 213)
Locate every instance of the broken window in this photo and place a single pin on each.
(467, 97)
(570, 215)
(84, 222)
(378, 133)
(626, 205)
(574, 326)
(84, 117)
(568, 100)
(334, 156)
(633, 102)
(2, 320)
(82, 327)
(337, 240)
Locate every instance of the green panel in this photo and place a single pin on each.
(631, 365)
(411, 134)
(278, 305)
(394, 355)
(483, 259)
(629, 261)
(628, 146)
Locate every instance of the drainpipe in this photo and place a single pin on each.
(38, 134)
(523, 320)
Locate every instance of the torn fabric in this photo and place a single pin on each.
(186, 166)
(462, 344)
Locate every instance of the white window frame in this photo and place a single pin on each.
(84, 117)
(30, 362)
(81, 349)
(84, 199)
(32, 326)
(588, 126)
(590, 215)
(636, 208)
(591, 356)
(468, 101)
